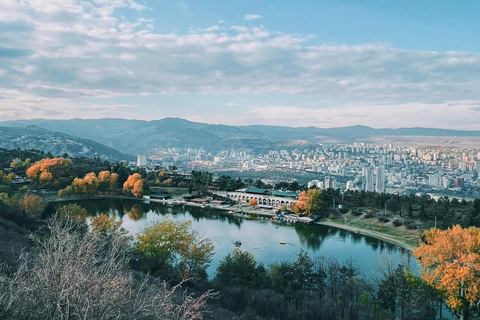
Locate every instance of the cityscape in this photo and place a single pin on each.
(239, 160)
(433, 171)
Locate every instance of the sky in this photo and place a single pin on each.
(402, 63)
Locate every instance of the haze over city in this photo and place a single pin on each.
(323, 63)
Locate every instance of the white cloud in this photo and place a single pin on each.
(86, 52)
(252, 16)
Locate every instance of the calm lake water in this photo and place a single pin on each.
(258, 237)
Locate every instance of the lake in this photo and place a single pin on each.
(258, 237)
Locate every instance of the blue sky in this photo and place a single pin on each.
(303, 63)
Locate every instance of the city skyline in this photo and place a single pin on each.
(324, 64)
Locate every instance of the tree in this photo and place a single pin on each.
(72, 212)
(239, 269)
(106, 181)
(48, 172)
(168, 244)
(309, 203)
(253, 202)
(32, 203)
(134, 184)
(451, 264)
(106, 225)
(86, 186)
(6, 179)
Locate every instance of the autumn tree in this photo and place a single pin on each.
(309, 203)
(66, 192)
(105, 225)
(86, 186)
(168, 244)
(32, 203)
(72, 212)
(6, 179)
(134, 184)
(52, 173)
(451, 264)
(253, 202)
(106, 181)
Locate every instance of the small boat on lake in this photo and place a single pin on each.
(282, 242)
(238, 243)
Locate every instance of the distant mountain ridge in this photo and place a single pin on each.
(57, 143)
(146, 137)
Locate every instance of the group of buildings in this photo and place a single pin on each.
(359, 166)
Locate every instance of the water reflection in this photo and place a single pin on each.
(134, 211)
(311, 236)
(258, 236)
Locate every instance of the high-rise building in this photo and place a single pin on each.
(368, 177)
(141, 160)
(380, 180)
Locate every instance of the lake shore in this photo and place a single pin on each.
(401, 242)
(408, 240)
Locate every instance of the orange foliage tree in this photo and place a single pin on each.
(134, 184)
(309, 203)
(106, 181)
(47, 172)
(253, 202)
(451, 264)
(86, 186)
(301, 204)
(32, 203)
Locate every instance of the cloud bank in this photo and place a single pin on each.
(56, 52)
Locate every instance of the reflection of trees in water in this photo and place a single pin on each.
(311, 236)
(135, 211)
(199, 214)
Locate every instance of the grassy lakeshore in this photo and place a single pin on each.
(400, 236)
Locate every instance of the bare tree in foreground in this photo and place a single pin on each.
(83, 275)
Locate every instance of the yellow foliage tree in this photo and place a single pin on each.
(6, 179)
(451, 264)
(171, 241)
(106, 225)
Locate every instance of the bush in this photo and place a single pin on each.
(410, 224)
(397, 223)
(357, 213)
(368, 216)
(383, 219)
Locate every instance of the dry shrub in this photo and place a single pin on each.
(81, 275)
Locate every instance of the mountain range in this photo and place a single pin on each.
(102, 137)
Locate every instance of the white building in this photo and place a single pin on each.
(141, 160)
(380, 180)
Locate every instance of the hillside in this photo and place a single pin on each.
(57, 143)
(138, 136)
